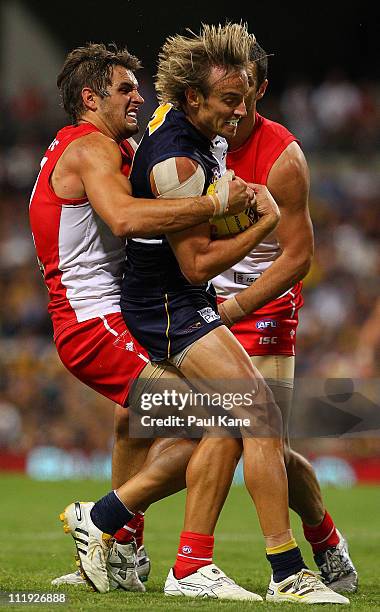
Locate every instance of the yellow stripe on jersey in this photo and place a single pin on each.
(159, 116)
(168, 324)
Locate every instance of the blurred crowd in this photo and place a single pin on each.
(338, 124)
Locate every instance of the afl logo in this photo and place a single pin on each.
(187, 550)
(266, 324)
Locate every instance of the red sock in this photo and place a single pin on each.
(133, 530)
(195, 550)
(321, 536)
(139, 535)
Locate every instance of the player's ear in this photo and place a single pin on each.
(89, 98)
(193, 97)
(262, 89)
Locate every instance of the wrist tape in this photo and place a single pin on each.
(232, 310)
(220, 194)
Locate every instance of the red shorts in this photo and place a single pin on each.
(102, 353)
(271, 330)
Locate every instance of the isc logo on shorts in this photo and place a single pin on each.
(266, 324)
(208, 314)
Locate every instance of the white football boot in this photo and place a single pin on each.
(74, 579)
(305, 587)
(143, 571)
(336, 567)
(143, 564)
(122, 568)
(92, 544)
(208, 581)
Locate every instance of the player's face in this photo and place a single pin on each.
(120, 107)
(224, 106)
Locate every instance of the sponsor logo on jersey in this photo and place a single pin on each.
(208, 314)
(245, 278)
(266, 324)
(187, 549)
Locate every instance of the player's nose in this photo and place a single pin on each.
(241, 110)
(137, 98)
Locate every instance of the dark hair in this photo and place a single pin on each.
(260, 57)
(90, 66)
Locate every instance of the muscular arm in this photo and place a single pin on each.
(288, 182)
(91, 166)
(201, 258)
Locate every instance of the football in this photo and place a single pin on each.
(232, 224)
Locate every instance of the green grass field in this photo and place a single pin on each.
(34, 548)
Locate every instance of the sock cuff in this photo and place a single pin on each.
(326, 519)
(201, 537)
(276, 550)
(132, 513)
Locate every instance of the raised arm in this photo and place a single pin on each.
(95, 161)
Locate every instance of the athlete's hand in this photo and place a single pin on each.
(240, 196)
(230, 311)
(266, 206)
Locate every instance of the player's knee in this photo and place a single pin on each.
(186, 449)
(177, 451)
(265, 446)
(121, 423)
(228, 448)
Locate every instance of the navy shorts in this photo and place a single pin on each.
(166, 324)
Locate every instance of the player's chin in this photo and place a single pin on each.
(131, 128)
(229, 130)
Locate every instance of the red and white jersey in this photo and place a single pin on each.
(252, 162)
(81, 259)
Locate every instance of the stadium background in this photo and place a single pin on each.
(324, 86)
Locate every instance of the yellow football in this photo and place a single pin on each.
(232, 224)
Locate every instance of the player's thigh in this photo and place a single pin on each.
(218, 356)
(157, 379)
(220, 369)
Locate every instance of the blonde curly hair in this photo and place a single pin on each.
(186, 61)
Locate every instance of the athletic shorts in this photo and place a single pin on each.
(271, 330)
(102, 354)
(165, 325)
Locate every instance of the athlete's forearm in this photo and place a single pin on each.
(221, 254)
(144, 218)
(278, 278)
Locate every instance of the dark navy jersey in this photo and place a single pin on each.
(151, 267)
(161, 308)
